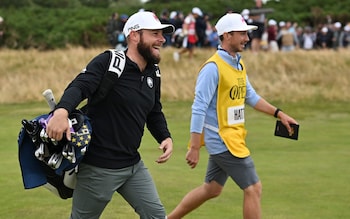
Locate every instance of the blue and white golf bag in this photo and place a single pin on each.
(50, 163)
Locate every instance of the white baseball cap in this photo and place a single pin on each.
(145, 20)
(245, 13)
(198, 11)
(337, 25)
(232, 22)
(272, 22)
(347, 28)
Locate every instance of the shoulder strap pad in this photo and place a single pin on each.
(115, 69)
(117, 62)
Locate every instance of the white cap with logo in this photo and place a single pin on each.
(232, 22)
(145, 20)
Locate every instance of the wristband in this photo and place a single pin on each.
(276, 112)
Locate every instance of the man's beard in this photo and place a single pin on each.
(146, 52)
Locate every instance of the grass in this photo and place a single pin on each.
(301, 179)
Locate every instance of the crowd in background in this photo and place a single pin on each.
(195, 30)
(195, 23)
(288, 36)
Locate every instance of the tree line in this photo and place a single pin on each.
(51, 24)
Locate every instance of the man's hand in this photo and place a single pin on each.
(286, 121)
(58, 125)
(167, 147)
(192, 157)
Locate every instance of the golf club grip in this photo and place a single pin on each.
(50, 99)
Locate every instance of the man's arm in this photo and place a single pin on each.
(263, 106)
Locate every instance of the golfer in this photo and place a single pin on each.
(221, 93)
(112, 162)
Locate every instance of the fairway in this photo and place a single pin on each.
(301, 179)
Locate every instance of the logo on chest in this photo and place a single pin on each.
(150, 82)
(238, 90)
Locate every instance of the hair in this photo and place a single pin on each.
(221, 37)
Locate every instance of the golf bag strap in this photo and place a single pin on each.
(115, 69)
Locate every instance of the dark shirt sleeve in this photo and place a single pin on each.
(85, 84)
(70, 99)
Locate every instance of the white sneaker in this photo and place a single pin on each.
(176, 56)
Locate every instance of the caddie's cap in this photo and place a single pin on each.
(232, 22)
(145, 20)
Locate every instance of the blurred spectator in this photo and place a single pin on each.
(176, 18)
(292, 28)
(112, 27)
(201, 27)
(209, 29)
(114, 31)
(121, 39)
(177, 39)
(264, 44)
(2, 31)
(324, 38)
(337, 32)
(272, 31)
(164, 19)
(299, 33)
(256, 35)
(257, 20)
(345, 38)
(123, 19)
(308, 39)
(189, 31)
(213, 38)
(245, 15)
(286, 38)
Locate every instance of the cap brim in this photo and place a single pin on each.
(167, 28)
(248, 27)
(252, 27)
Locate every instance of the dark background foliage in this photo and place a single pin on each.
(50, 24)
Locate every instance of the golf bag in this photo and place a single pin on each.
(45, 161)
(53, 164)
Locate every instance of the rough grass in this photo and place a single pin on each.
(285, 77)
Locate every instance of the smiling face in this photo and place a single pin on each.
(149, 45)
(236, 41)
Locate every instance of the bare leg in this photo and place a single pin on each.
(251, 202)
(195, 198)
(183, 50)
(256, 45)
(190, 55)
